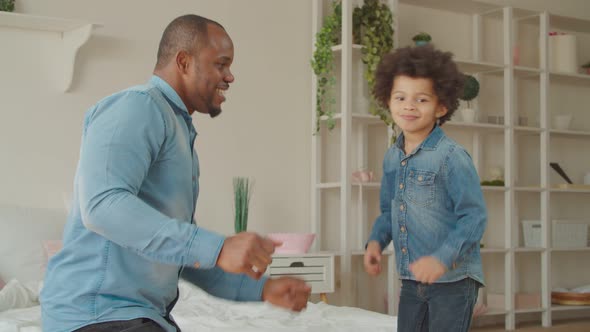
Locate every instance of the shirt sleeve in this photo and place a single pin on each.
(464, 190)
(230, 286)
(381, 231)
(122, 139)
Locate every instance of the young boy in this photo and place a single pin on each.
(432, 206)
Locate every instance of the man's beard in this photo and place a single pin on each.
(214, 111)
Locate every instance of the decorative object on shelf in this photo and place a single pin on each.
(322, 64)
(563, 54)
(587, 179)
(362, 175)
(562, 121)
(470, 92)
(242, 195)
(293, 243)
(586, 67)
(496, 183)
(561, 172)
(421, 39)
(373, 23)
(7, 5)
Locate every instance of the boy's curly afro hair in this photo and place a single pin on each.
(424, 62)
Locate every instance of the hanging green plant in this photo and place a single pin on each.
(373, 29)
(375, 22)
(322, 64)
(7, 5)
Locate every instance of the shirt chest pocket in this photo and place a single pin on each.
(421, 187)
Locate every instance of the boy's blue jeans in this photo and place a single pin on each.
(444, 307)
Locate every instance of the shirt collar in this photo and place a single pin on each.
(169, 92)
(172, 96)
(430, 143)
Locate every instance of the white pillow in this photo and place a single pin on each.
(16, 295)
(22, 234)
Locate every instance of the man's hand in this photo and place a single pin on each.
(372, 260)
(247, 253)
(427, 269)
(286, 292)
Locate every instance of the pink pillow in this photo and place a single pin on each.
(2, 283)
(50, 248)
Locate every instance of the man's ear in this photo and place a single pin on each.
(182, 61)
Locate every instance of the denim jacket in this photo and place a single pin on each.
(131, 233)
(432, 205)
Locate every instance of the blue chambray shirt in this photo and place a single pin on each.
(131, 230)
(432, 205)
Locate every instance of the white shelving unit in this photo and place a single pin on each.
(484, 39)
(72, 35)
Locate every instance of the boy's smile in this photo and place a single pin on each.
(414, 106)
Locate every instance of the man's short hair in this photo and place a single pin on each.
(188, 33)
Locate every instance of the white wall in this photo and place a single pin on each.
(264, 132)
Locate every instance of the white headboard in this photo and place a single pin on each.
(22, 233)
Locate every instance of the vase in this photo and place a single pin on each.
(468, 115)
(421, 42)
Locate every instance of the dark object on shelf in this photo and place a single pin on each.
(560, 171)
(566, 298)
(497, 183)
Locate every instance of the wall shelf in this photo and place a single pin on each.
(73, 34)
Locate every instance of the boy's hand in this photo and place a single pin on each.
(372, 259)
(427, 269)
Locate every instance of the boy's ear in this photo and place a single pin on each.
(441, 111)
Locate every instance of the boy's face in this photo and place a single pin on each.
(414, 106)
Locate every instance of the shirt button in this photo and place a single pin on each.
(403, 229)
(401, 186)
(401, 207)
(404, 163)
(404, 250)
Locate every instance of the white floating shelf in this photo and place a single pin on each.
(74, 34)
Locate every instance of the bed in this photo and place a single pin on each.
(24, 240)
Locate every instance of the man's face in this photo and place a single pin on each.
(210, 76)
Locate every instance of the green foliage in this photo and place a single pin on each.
(242, 194)
(498, 183)
(372, 28)
(322, 64)
(7, 5)
(422, 36)
(375, 25)
(470, 89)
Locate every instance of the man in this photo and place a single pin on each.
(130, 234)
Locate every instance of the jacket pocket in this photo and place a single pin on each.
(421, 187)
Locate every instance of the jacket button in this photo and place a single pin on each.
(420, 178)
(404, 163)
(401, 186)
(403, 229)
(401, 207)
(404, 250)
(197, 265)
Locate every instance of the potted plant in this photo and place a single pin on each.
(374, 25)
(7, 5)
(421, 39)
(322, 64)
(242, 195)
(372, 28)
(470, 92)
(586, 67)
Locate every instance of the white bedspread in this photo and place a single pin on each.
(198, 311)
